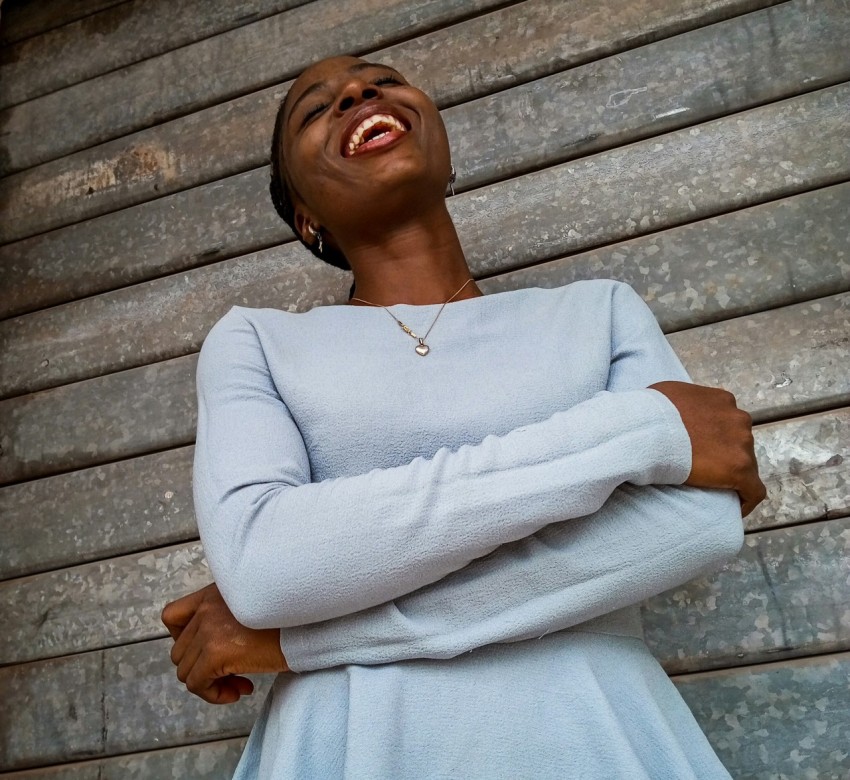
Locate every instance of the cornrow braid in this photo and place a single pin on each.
(282, 197)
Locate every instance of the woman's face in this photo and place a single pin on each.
(345, 190)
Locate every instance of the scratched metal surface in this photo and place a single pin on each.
(218, 68)
(205, 761)
(95, 513)
(127, 246)
(783, 596)
(122, 700)
(805, 465)
(102, 42)
(168, 157)
(784, 721)
(763, 257)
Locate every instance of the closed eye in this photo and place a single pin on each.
(312, 112)
(322, 106)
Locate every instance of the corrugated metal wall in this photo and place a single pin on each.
(696, 149)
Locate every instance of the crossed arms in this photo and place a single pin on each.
(541, 529)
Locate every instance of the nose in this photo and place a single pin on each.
(355, 91)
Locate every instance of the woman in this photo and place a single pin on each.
(451, 533)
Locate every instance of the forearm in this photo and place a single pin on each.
(643, 541)
(287, 555)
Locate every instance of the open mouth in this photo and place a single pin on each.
(374, 132)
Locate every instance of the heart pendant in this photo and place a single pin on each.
(422, 349)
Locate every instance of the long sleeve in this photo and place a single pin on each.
(286, 551)
(642, 541)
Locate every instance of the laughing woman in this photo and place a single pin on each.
(436, 512)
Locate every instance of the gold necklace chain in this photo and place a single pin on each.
(421, 348)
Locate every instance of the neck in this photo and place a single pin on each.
(417, 261)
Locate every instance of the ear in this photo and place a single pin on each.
(302, 220)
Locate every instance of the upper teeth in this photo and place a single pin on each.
(360, 131)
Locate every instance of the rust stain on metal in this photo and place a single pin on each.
(137, 163)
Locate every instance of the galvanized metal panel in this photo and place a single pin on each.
(126, 413)
(718, 166)
(96, 605)
(709, 72)
(650, 185)
(777, 721)
(218, 68)
(206, 761)
(23, 19)
(762, 257)
(57, 713)
(117, 37)
(95, 513)
(236, 135)
(795, 361)
(783, 596)
(805, 465)
(121, 700)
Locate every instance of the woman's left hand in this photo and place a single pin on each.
(211, 648)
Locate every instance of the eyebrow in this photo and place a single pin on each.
(322, 84)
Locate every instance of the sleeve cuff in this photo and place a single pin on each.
(293, 645)
(677, 455)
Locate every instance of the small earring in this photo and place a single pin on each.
(452, 180)
(314, 232)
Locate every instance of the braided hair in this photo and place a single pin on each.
(282, 197)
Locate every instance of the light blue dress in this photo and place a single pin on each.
(455, 546)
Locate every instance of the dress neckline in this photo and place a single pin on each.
(462, 303)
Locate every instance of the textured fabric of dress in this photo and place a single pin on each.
(455, 547)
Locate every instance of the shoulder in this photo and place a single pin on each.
(225, 330)
(596, 290)
(606, 299)
(231, 344)
(628, 309)
(241, 325)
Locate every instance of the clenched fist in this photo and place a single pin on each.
(211, 648)
(721, 440)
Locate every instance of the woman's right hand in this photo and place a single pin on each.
(723, 452)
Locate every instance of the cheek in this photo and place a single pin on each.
(311, 172)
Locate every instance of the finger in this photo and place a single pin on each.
(221, 692)
(242, 684)
(177, 614)
(189, 661)
(183, 641)
(200, 676)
